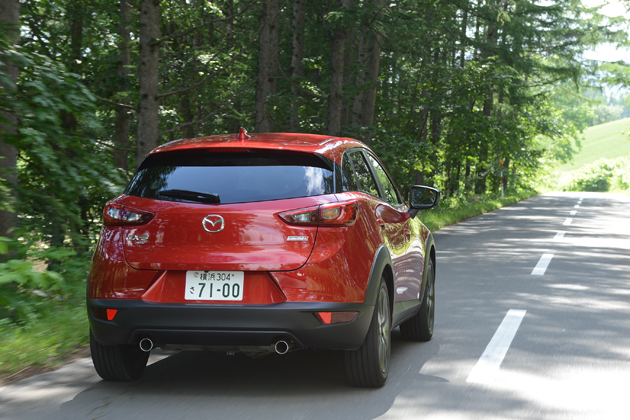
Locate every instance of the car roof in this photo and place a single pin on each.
(328, 146)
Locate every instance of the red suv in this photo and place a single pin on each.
(261, 243)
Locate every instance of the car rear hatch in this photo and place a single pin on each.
(218, 210)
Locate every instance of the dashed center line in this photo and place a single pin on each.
(567, 222)
(577, 206)
(559, 236)
(488, 365)
(573, 212)
(543, 263)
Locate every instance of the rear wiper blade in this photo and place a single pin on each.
(200, 197)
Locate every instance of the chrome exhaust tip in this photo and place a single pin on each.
(146, 345)
(282, 347)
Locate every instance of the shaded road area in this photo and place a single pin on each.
(535, 298)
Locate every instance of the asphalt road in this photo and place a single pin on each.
(555, 340)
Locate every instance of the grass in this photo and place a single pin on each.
(454, 211)
(59, 332)
(601, 141)
(44, 342)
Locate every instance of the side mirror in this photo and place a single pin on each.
(422, 198)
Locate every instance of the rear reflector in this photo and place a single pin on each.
(333, 214)
(104, 314)
(116, 214)
(335, 317)
(111, 313)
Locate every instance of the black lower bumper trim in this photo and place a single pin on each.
(228, 325)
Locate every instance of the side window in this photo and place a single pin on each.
(347, 173)
(388, 187)
(366, 180)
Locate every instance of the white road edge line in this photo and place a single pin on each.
(490, 361)
(542, 265)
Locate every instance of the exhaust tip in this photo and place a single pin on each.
(146, 345)
(282, 347)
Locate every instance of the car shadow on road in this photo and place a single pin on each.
(300, 384)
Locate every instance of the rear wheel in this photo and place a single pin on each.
(118, 363)
(369, 365)
(420, 327)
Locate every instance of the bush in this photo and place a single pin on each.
(22, 287)
(601, 176)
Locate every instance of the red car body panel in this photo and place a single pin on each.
(254, 238)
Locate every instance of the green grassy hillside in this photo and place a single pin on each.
(601, 141)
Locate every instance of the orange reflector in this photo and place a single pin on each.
(335, 317)
(111, 313)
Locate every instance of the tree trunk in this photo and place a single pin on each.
(121, 138)
(148, 122)
(187, 115)
(464, 38)
(373, 67)
(362, 58)
(335, 98)
(9, 19)
(297, 64)
(482, 166)
(229, 11)
(75, 13)
(267, 52)
(506, 173)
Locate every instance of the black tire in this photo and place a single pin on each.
(368, 366)
(420, 327)
(118, 363)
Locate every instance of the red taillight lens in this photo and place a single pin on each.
(308, 216)
(339, 213)
(115, 214)
(334, 214)
(335, 317)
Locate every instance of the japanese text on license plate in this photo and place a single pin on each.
(214, 285)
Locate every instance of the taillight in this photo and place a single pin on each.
(333, 214)
(116, 214)
(339, 213)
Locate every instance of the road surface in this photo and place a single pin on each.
(532, 322)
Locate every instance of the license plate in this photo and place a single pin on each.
(214, 285)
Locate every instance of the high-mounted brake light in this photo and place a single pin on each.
(333, 214)
(116, 214)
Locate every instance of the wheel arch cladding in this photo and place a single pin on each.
(382, 267)
(431, 254)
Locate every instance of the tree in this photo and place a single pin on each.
(148, 78)
(267, 53)
(9, 23)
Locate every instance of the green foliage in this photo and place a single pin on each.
(22, 288)
(602, 175)
(64, 176)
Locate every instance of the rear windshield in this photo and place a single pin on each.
(236, 177)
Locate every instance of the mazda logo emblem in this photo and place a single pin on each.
(213, 223)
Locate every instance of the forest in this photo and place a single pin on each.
(462, 95)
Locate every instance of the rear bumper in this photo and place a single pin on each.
(228, 326)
